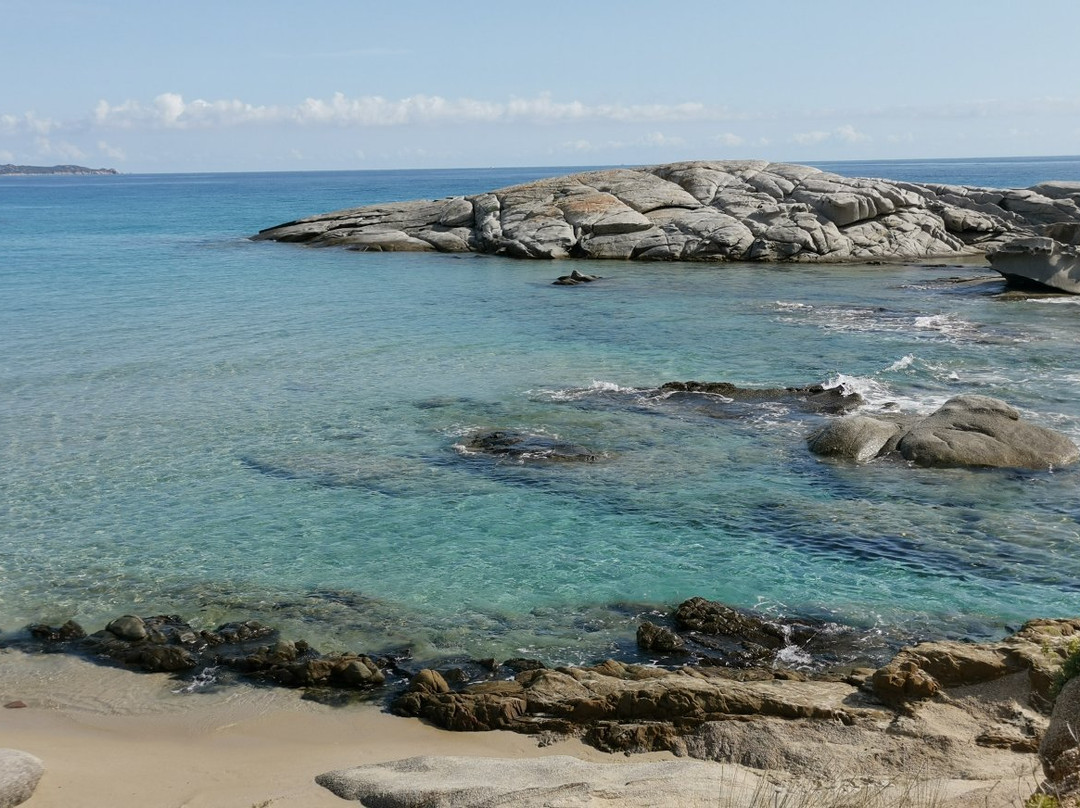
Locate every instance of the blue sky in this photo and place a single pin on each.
(328, 84)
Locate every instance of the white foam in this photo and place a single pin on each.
(902, 363)
(578, 393)
(792, 654)
(870, 389)
(205, 678)
(1059, 301)
(880, 397)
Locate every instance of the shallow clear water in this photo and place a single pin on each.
(198, 424)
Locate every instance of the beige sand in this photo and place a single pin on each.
(113, 738)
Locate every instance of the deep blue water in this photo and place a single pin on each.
(194, 423)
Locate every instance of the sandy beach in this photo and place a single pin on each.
(111, 737)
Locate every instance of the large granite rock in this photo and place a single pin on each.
(558, 780)
(739, 210)
(19, 776)
(967, 431)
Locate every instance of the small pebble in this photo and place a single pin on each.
(14, 705)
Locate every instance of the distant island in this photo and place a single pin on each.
(13, 170)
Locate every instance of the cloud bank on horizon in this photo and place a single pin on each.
(878, 87)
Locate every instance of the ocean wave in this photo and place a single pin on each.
(944, 327)
(881, 396)
(578, 393)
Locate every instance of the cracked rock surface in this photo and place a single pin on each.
(736, 210)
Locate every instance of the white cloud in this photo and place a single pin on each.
(59, 149)
(111, 151)
(660, 139)
(846, 133)
(27, 123)
(728, 139)
(581, 145)
(171, 111)
(849, 134)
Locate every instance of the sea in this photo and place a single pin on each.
(194, 423)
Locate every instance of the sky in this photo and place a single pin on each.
(234, 85)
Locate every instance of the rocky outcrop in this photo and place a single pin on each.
(746, 210)
(526, 448)
(967, 431)
(952, 710)
(7, 169)
(1049, 262)
(461, 782)
(935, 707)
(575, 278)
(807, 398)
(167, 644)
(19, 776)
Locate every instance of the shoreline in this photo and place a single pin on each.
(124, 739)
(960, 721)
(113, 737)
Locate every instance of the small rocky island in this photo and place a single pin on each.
(22, 171)
(744, 210)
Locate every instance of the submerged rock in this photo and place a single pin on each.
(967, 431)
(809, 398)
(527, 448)
(575, 278)
(737, 210)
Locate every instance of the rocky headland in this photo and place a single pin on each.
(9, 169)
(749, 210)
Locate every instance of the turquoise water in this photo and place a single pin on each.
(198, 424)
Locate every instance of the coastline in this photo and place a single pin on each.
(113, 737)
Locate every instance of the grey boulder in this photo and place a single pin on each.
(983, 431)
(19, 776)
(464, 782)
(966, 432)
(858, 437)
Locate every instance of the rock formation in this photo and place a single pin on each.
(974, 714)
(1050, 262)
(967, 431)
(526, 448)
(746, 210)
(165, 643)
(944, 709)
(460, 782)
